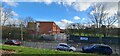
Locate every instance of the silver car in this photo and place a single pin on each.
(65, 47)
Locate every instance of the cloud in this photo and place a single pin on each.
(83, 19)
(14, 13)
(76, 18)
(68, 0)
(47, 1)
(109, 7)
(9, 19)
(13, 21)
(60, 24)
(116, 25)
(81, 6)
(78, 5)
(1, 8)
(63, 23)
(10, 2)
(66, 21)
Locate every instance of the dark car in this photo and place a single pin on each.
(13, 42)
(98, 48)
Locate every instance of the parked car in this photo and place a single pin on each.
(13, 42)
(65, 47)
(98, 48)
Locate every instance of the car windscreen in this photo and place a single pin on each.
(64, 45)
(91, 45)
(69, 45)
(14, 41)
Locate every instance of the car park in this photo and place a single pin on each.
(13, 42)
(97, 48)
(65, 47)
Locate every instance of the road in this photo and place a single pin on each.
(52, 45)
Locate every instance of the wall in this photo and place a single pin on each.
(45, 28)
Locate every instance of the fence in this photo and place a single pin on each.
(88, 39)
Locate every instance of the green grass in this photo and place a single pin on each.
(95, 35)
(86, 34)
(23, 51)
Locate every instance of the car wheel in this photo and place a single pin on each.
(70, 50)
(83, 50)
(18, 45)
(108, 54)
(58, 49)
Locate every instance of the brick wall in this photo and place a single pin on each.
(44, 27)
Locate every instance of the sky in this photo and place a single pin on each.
(61, 12)
(52, 12)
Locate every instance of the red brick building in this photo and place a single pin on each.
(42, 27)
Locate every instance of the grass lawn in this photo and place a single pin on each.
(28, 51)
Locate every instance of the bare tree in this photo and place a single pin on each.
(28, 19)
(31, 21)
(110, 20)
(75, 28)
(109, 23)
(6, 13)
(69, 29)
(98, 14)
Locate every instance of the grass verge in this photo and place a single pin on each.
(28, 51)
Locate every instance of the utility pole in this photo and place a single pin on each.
(21, 31)
(0, 22)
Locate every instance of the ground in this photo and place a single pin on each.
(7, 52)
(20, 50)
